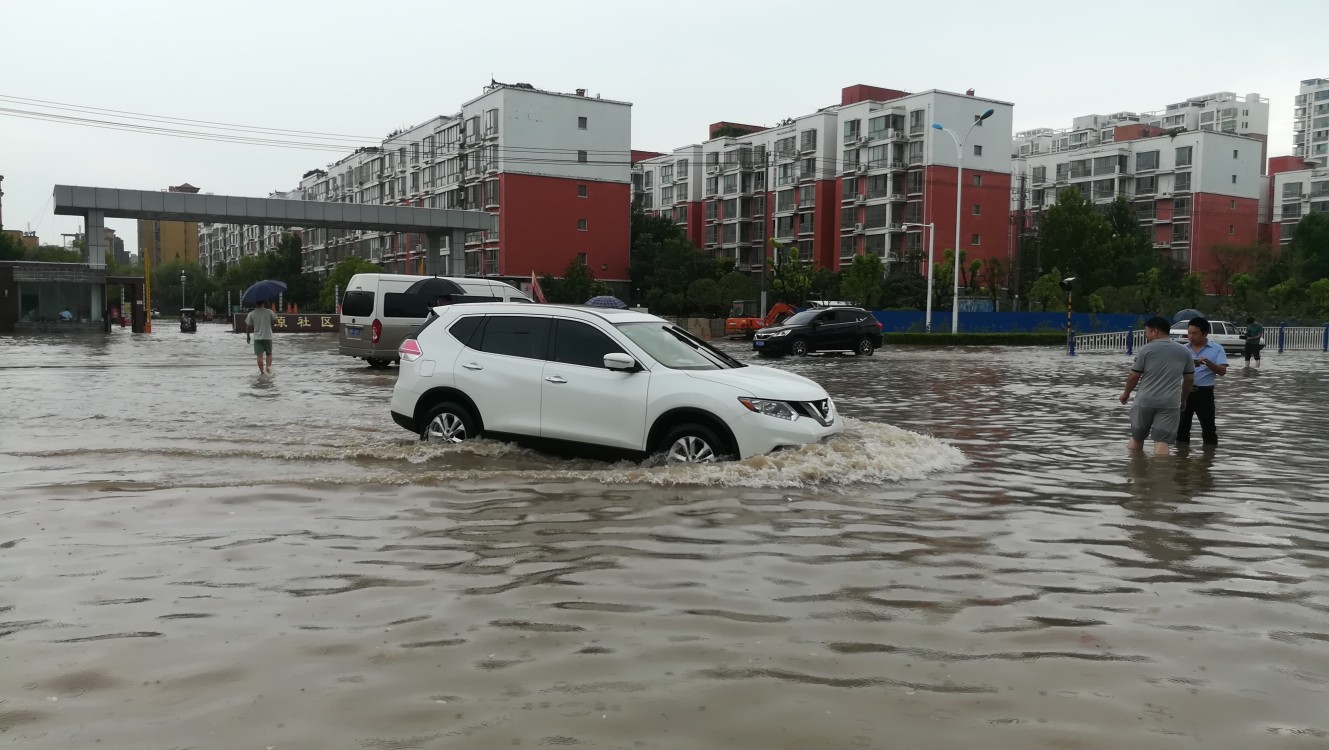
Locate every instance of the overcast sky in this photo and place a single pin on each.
(361, 68)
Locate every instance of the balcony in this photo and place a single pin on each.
(895, 166)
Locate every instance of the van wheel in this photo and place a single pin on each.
(377, 364)
(865, 347)
(798, 347)
(449, 422)
(692, 444)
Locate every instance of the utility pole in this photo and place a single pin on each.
(1019, 233)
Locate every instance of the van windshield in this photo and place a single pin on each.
(677, 349)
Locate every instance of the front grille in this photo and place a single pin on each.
(818, 410)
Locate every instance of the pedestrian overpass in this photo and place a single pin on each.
(96, 204)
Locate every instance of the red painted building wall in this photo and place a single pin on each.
(864, 93)
(1220, 220)
(538, 222)
(992, 224)
(826, 229)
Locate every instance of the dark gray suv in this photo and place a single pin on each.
(824, 329)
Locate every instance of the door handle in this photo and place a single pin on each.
(556, 379)
(473, 366)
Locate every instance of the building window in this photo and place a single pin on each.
(581, 258)
(978, 180)
(581, 157)
(1231, 230)
(1232, 205)
(978, 210)
(1184, 156)
(581, 225)
(581, 123)
(1234, 153)
(978, 150)
(1234, 179)
(973, 239)
(1183, 181)
(581, 191)
(1146, 160)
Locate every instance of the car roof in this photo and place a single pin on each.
(609, 315)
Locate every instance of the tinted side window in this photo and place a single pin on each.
(848, 316)
(464, 329)
(358, 304)
(826, 317)
(401, 305)
(515, 336)
(577, 343)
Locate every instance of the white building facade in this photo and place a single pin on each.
(1310, 136)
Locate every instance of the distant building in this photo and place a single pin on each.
(26, 239)
(850, 179)
(165, 241)
(1310, 138)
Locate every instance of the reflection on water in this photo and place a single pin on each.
(197, 556)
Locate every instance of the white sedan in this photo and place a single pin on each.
(1223, 333)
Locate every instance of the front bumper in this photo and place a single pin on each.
(771, 346)
(758, 434)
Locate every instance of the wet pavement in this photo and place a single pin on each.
(192, 556)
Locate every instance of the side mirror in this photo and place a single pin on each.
(619, 361)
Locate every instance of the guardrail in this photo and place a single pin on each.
(1289, 338)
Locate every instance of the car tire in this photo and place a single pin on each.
(448, 422)
(865, 347)
(377, 364)
(798, 347)
(692, 444)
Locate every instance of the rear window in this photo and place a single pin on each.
(515, 336)
(401, 305)
(358, 304)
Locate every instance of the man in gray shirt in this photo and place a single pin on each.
(1165, 373)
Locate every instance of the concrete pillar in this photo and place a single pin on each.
(94, 228)
(457, 250)
(433, 254)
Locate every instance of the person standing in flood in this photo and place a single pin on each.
(1164, 372)
(259, 324)
(1210, 364)
(1254, 341)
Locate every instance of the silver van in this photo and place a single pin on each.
(377, 313)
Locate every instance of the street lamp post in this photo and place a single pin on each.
(932, 235)
(182, 289)
(959, 188)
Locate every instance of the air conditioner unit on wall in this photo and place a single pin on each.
(862, 168)
(858, 227)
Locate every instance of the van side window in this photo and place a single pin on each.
(358, 304)
(515, 336)
(402, 305)
(576, 343)
(464, 329)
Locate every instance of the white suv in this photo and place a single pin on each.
(614, 379)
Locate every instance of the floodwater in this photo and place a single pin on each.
(192, 556)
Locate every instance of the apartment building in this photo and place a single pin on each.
(165, 241)
(1222, 112)
(552, 168)
(220, 245)
(1310, 125)
(1193, 190)
(1296, 194)
(846, 180)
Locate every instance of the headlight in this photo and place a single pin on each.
(777, 409)
(778, 334)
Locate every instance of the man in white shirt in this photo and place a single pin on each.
(1210, 363)
(259, 324)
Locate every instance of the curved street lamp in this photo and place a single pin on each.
(182, 289)
(959, 188)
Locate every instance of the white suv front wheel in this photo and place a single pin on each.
(449, 422)
(692, 444)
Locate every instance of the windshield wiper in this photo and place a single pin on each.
(703, 347)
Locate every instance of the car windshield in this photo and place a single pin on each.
(677, 349)
(801, 319)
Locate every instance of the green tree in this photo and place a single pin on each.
(1319, 297)
(576, 286)
(338, 279)
(1310, 246)
(53, 254)
(1192, 289)
(706, 296)
(904, 291)
(1046, 291)
(736, 285)
(862, 282)
(826, 284)
(10, 248)
(792, 280)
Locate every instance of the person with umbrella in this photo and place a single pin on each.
(260, 320)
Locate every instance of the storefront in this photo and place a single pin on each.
(54, 297)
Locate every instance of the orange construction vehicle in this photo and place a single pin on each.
(744, 319)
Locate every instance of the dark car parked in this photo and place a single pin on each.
(821, 330)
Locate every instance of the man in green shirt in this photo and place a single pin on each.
(1254, 341)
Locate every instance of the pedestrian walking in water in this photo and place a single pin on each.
(259, 325)
(1254, 341)
(1210, 364)
(1164, 373)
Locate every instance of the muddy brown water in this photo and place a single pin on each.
(195, 557)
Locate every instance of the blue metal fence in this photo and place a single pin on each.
(912, 321)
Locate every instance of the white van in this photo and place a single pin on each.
(377, 313)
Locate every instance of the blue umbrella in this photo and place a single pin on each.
(606, 301)
(263, 290)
